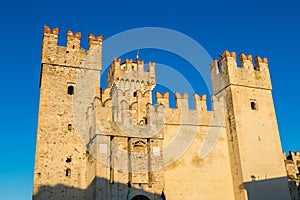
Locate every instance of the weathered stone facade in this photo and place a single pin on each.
(292, 163)
(103, 144)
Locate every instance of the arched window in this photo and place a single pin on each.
(71, 90)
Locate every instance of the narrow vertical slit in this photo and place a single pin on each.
(149, 163)
(129, 162)
(111, 161)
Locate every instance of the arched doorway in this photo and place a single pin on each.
(140, 197)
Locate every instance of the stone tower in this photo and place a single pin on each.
(111, 143)
(130, 146)
(61, 157)
(254, 143)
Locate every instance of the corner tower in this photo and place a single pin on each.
(255, 150)
(61, 160)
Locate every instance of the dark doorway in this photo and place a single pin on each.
(140, 197)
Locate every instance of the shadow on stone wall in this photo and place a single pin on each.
(115, 191)
(294, 190)
(268, 189)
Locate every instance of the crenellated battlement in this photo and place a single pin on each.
(138, 111)
(229, 58)
(182, 100)
(95, 41)
(225, 71)
(131, 70)
(73, 40)
(161, 99)
(72, 54)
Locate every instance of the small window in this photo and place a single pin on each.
(146, 120)
(253, 105)
(70, 90)
(134, 94)
(68, 160)
(68, 172)
(69, 127)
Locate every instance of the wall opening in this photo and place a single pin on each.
(71, 90)
(256, 68)
(253, 105)
(68, 172)
(140, 197)
(220, 67)
(69, 127)
(68, 160)
(111, 161)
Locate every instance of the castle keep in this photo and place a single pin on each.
(95, 143)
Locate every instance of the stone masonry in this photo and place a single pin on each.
(292, 163)
(95, 143)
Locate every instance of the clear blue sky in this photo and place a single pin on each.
(266, 28)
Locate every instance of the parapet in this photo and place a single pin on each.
(181, 101)
(225, 71)
(124, 108)
(130, 70)
(72, 54)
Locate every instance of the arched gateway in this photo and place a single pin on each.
(140, 197)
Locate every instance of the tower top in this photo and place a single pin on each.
(72, 54)
(73, 39)
(225, 71)
(131, 71)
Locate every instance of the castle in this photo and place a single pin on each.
(113, 143)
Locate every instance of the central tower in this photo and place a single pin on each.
(132, 78)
